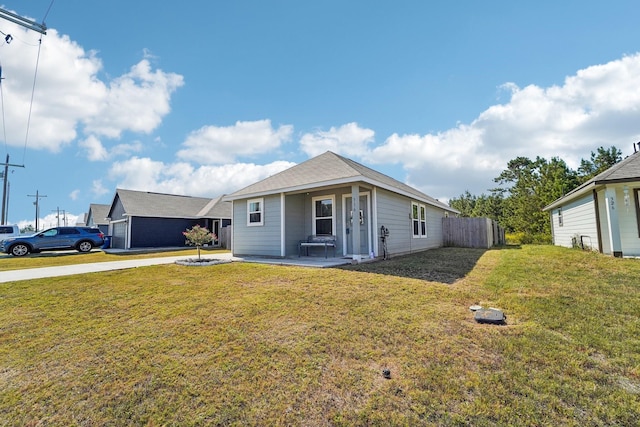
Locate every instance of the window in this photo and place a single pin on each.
(419, 220)
(255, 212)
(560, 217)
(323, 216)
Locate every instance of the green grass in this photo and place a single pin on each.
(248, 344)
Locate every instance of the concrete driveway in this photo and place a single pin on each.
(67, 270)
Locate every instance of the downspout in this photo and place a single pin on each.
(598, 228)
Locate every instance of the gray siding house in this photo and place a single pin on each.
(330, 195)
(139, 219)
(603, 214)
(97, 217)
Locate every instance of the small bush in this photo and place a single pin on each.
(522, 238)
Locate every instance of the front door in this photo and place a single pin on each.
(357, 222)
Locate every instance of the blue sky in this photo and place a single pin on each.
(205, 97)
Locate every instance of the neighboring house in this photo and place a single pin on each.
(333, 195)
(97, 217)
(139, 219)
(603, 214)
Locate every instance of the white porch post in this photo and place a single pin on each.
(355, 222)
(612, 221)
(283, 241)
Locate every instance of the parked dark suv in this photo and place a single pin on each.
(83, 239)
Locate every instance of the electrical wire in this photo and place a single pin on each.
(48, 10)
(33, 91)
(4, 127)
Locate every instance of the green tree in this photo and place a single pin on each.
(531, 185)
(490, 206)
(600, 161)
(28, 229)
(465, 204)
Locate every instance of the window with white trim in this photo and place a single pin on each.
(323, 215)
(255, 212)
(560, 222)
(419, 220)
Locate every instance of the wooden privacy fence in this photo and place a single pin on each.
(225, 237)
(472, 232)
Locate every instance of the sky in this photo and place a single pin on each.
(203, 98)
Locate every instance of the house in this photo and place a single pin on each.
(603, 214)
(330, 195)
(97, 217)
(139, 219)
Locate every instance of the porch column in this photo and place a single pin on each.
(283, 235)
(612, 223)
(355, 222)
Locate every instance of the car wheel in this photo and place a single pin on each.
(19, 249)
(84, 246)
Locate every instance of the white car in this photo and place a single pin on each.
(8, 231)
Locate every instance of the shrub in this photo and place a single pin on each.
(198, 236)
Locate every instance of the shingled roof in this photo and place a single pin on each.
(329, 169)
(627, 170)
(149, 204)
(99, 213)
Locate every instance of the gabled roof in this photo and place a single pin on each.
(98, 213)
(628, 170)
(148, 204)
(329, 169)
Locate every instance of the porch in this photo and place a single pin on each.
(303, 261)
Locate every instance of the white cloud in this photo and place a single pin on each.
(74, 194)
(598, 106)
(95, 151)
(182, 178)
(349, 140)
(225, 144)
(70, 98)
(97, 189)
(136, 101)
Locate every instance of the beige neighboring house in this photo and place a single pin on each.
(603, 214)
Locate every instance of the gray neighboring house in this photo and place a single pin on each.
(319, 197)
(97, 217)
(603, 214)
(140, 219)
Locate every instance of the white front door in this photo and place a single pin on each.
(356, 222)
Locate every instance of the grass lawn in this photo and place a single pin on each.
(248, 344)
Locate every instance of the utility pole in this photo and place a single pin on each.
(25, 22)
(64, 216)
(38, 196)
(5, 193)
(33, 26)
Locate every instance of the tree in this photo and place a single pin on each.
(465, 204)
(533, 185)
(600, 161)
(486, 206)
(198, 236)
(28, 229)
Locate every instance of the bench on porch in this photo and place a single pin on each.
(318, 241)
